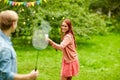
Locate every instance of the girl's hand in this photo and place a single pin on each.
(47, 37)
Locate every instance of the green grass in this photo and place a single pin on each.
(99, 59)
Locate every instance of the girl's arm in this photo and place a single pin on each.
(63, 44)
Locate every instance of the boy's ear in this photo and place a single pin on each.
(13, 24)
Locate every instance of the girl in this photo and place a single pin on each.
(70, 63)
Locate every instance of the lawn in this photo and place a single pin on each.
(99, 59)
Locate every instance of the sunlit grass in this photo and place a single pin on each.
(99, 59)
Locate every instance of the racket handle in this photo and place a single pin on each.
(35, 69)
(56, 49)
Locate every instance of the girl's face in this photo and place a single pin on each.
(64, 27)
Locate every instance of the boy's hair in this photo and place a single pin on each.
(7, 17)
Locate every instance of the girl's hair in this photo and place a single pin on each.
(7, 17)
(70, 29)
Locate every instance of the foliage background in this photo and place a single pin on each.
(87, 17)
(97, 30)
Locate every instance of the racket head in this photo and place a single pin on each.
(39, 39)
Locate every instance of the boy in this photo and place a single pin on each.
(8, 68)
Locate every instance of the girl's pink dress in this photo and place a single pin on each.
(70, 63)
(70, 69)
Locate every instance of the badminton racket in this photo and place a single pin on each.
(39, 38)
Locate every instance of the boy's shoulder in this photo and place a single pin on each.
(2, 43)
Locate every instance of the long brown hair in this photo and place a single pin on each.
(70, 29)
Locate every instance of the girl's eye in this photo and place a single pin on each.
(63, 25)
